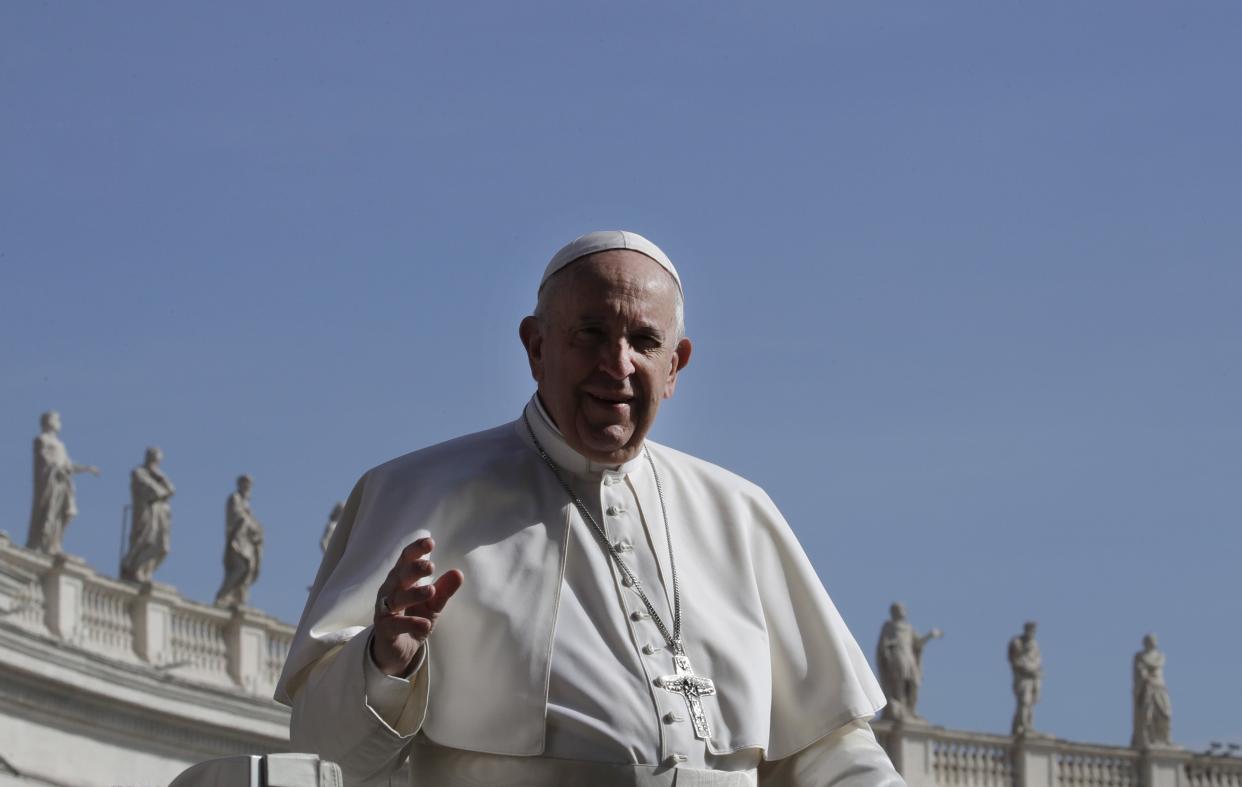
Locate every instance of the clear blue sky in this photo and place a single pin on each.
(963, 278)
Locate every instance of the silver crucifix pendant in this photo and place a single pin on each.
(690, 686)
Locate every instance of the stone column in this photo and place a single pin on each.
(152, 613)
(62, 593)
(1035, 761)
(1163, 766)
(247, 648)
(910, 748)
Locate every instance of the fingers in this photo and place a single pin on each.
(417, 549)
(411, 566)
(405, 596)
(448, 584)
(401, 600)
(406, 575)
(426, 599)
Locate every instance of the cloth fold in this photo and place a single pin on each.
(787, 670)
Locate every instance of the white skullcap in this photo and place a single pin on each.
(608, 240)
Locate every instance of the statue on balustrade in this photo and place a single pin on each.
(150, 530)
(331, 526)
(899, 660)
(54, 505)
(1027, 665)
(1153, 713)
(243, 547)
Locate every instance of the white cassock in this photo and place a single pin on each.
(543, 668)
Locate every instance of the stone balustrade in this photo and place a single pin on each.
(929, 756)
(1203, 771)
(144, 625)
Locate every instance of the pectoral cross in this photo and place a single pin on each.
(690, 686)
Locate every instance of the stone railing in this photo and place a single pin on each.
(1206, 771)
(973, 762)
(1080, 765)
(145, 625)
(930, 756)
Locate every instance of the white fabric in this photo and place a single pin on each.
(618, 715)
(537, 653)
(607, 240)
(849, 757)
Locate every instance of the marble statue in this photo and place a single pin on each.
(53, 506)
(151, 527)
(243, 547)
(1153, 713)
(1027, 667)
(330, 528)
(899, 660)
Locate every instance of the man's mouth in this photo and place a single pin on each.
(610, 399)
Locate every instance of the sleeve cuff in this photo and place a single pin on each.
(390, 698)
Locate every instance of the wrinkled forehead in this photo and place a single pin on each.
(609, 240)
(615, 283)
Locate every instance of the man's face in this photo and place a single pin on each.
(605, 352)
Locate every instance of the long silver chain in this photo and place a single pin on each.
(674, 638)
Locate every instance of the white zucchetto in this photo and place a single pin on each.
(608, 240)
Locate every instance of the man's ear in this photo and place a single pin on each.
(531, 333)
(679, 361)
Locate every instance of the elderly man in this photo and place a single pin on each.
(614, 612)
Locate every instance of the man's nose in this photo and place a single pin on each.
(617, 360)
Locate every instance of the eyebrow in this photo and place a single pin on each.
(645, 327)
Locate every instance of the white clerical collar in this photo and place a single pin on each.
(562, 453)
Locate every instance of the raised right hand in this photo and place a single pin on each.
(412, 609)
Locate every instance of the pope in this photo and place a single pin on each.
(612, 611)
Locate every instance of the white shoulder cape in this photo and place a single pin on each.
(757, 619)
